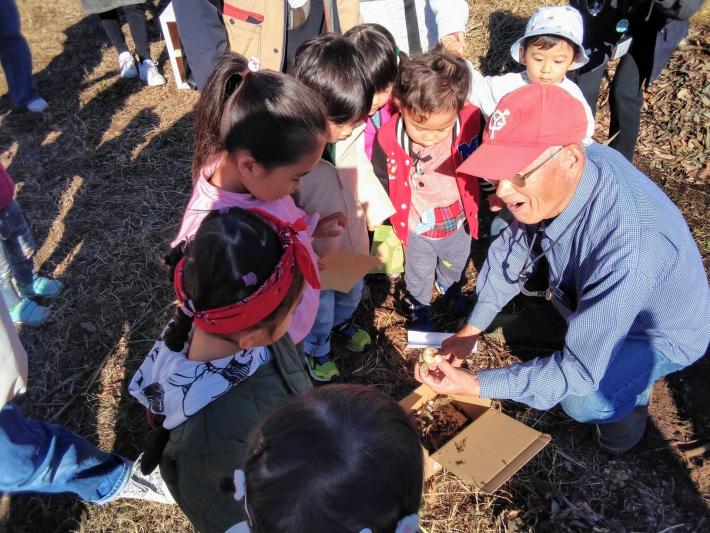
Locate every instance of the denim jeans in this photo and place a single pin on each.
(335, 308)
(41, 457)
(16, 251)
(15, 56)
(627, 384)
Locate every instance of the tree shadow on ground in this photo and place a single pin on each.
(505, 28)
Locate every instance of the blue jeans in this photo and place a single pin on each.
(335, 308)
(41, 457)
(15, 56)
(627, 384)
(16, 251)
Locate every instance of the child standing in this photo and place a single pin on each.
(19, 282)
(343, 182)
(226, 358)
(355, 455)
(417, 153)
(271, 134)
(380, 57)
(551, 47)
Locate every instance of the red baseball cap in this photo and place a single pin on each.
(525, 123)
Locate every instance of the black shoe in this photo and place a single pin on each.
(455, 299)
(420, 318)
(619, 437)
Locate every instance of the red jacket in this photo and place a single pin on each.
(393, 163)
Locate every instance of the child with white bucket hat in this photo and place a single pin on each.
(551, 46)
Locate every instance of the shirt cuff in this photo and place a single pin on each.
(311, 221)
(481, 316)
(495, 384)
(451, 26)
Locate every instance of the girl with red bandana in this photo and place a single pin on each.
(226, 357)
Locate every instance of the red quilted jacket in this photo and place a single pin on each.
(393, 163)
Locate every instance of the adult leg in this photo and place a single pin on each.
(589, 78)
(112, 27)
(41, 457)
(620, 406)
(626, 100)
(202, 35)
(135, 16)
(15, 56)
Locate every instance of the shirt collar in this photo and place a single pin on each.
(580, 200)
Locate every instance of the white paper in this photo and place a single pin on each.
(429, 339)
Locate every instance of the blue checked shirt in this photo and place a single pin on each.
(626, 265)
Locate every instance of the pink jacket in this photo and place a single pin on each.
(386, 113)
(206, 197)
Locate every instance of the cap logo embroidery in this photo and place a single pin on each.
(498, 120)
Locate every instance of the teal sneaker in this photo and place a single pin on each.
(357, 338)
(41, 286)
(28, 313)
(322, 369)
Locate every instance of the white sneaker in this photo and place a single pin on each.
(151, 487)
(149, 74)
(37, 105)
(126, 65)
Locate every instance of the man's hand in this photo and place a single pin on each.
(454, 43)
(330, 226)
(443, 378)
(461, 344)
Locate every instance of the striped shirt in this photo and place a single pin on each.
(626, 264)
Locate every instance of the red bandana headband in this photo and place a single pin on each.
(259, 305)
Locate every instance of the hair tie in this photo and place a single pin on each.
(188, 308)
(253, 65)
(249, 279)
(240, 485)
(408, 524)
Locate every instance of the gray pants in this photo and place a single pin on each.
(426, 260)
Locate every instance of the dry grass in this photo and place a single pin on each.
(104, 176)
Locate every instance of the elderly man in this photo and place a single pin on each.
(624, 272)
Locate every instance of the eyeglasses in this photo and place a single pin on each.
(519, 179)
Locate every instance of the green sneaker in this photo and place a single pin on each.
(41, 286)
(322, 369)
(28, 313)
(357, 338)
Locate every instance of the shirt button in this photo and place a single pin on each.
(231, 21)
(276, 50)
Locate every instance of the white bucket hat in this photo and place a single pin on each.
(564, 21)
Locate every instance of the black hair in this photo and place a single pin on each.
(378, 51)
(227, 246)
(331, 66)
(271, 115)
(338, 458)
(549, 41)
(433, 82)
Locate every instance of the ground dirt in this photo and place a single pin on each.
(103, 177)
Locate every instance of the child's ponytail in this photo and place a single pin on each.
(178, 331)
(269, 114)
(225, 78)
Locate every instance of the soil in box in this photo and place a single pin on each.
(437, 422)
